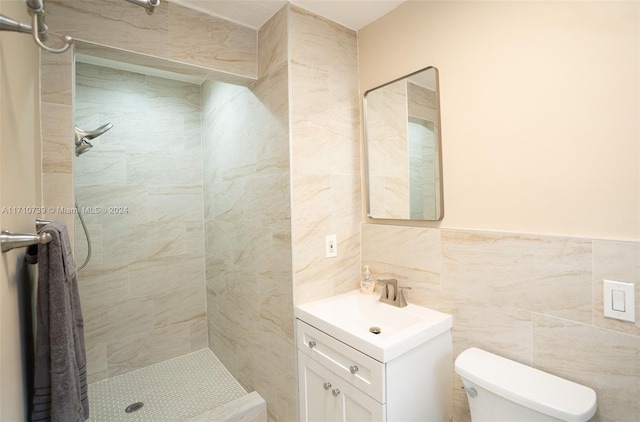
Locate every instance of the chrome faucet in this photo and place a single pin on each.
(391, 293)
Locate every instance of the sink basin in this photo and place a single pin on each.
(350, 318)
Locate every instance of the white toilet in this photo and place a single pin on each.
(501, 390)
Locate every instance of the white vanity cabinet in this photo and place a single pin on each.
(324, 396)
(340, 383)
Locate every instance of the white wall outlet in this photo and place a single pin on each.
(619, 300)
(330, 246)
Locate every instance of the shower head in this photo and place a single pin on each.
(84, 136)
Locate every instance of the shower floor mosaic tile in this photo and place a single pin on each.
(171, 391)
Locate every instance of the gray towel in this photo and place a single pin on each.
(60, 378)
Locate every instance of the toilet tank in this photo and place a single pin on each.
(508, 390)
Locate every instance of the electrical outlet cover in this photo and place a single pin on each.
(331, 246)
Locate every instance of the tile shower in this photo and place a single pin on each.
(254, 337)
(145, 286)
(146, 297)
(143, 291)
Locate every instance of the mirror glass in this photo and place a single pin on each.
(403, 148)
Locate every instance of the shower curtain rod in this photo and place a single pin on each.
(38, 27)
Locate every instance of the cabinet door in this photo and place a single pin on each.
(352, 405)
(316, 401)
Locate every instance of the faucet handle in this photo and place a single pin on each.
(388, 294)
(402, 302)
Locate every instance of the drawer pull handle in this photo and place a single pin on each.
(353, 369)
(327, 385)
(335, 392)
(312, 344)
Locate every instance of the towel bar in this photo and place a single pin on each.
(10, 240)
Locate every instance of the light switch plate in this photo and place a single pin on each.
(619, 300)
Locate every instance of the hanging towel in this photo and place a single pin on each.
(60, 376)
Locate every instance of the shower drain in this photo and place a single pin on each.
(134, 407)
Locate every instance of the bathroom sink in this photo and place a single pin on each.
(351, 317)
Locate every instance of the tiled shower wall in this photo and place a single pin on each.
(172, 32)
(163, 313)
(248, 226)
(326, 150)
(142, 293)
(531, 298)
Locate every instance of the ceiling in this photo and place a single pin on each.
(353, 14)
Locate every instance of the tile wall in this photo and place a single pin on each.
(172, 32)
(227, 48)
(325, 155)
(162, 279)
(143, 291)
(531, 298)
(322, 67)
(56, 120)
(248, 225)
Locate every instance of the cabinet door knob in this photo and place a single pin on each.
(335, 392)
(353, 369)
(326, 385)
(312, 344)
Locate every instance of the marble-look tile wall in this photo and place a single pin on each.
(56, 120)
(531, 298)
(248, 226)
(173, 32)
(143, 292)
(325, 145)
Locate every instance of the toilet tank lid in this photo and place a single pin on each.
(527, 386)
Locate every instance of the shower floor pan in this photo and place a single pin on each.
(190, 388)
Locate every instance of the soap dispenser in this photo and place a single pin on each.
(367, 286)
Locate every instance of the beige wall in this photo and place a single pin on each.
(540, 110)
(19, 186)
(545, 170)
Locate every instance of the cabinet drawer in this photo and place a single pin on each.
(362, 371)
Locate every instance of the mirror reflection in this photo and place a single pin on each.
(403, 148)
